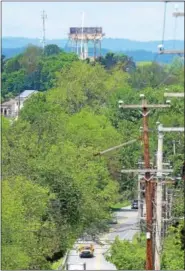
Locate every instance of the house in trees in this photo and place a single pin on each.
(12, 107)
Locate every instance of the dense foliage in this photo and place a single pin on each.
(54, 188)
(174, 246)
(33, 69)
(128, 256)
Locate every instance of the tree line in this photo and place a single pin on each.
(54, 189)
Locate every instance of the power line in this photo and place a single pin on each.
(164, 22)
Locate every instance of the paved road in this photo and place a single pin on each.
(125, 229)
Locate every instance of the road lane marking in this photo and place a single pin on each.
(98, 259)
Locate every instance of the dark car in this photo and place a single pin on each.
(86, 251)
(135, 204)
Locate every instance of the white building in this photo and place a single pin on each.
(12, 107)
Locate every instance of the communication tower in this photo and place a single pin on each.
(44, 17)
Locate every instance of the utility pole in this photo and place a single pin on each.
(149, 187)
(183, 171)
(171, 52)
(174, 147)
(159, 201)
(158, 230)
(44, 17)
(174, 94)
(176, 14)
(148, 190)
(19, 104)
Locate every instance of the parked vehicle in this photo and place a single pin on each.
(135, 204)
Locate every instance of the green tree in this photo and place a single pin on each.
(173, 254)
(13, 82)
(26, 238)
(111, 60)
(34, 70)
(52, 49)
(152, 75)
(58, 131)
(30, 58)
(12, 65)
(83, 85)
(127, 256)
(2, 62)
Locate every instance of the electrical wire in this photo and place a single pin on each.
(164, 23)
(174, 32)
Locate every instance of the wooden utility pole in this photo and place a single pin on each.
(149, 187)
(183, 171)
(148, 191)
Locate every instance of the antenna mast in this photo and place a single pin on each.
(44, 17)
(82, 42)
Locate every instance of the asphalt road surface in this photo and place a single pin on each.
(125, 229)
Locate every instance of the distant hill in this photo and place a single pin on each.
(140, 51)
(138, 56)
(131, 45)
(10, 52)
(108, 43)
(19, 42)
(146, 56)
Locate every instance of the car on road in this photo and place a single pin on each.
(135, 204)
(86, 251)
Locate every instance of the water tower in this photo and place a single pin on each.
(81, 37)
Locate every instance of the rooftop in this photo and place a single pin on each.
(8, 103)
(26, 93)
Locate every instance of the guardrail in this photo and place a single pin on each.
(64, 263)
(82, 265)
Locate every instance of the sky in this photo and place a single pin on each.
(141, 21)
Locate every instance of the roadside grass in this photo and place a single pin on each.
(135, 238)
(144, 63)
(138, 238)
(120, 205)
(57, 264)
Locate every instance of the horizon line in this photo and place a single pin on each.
(118, 38)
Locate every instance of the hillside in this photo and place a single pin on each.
(137, 55)
(108, 43)
(139, 51)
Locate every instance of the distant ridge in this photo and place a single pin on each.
(108, 43)
(138, 50)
